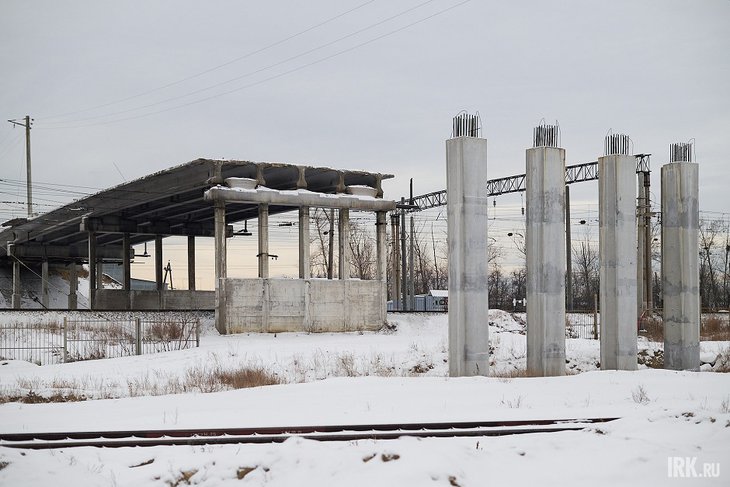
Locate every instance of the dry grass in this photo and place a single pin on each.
(715, 328)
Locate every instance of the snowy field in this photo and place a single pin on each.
(668, 419)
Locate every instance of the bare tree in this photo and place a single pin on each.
(362, 249)
(585, 272)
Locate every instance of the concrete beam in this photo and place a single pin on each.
(80, 251)
(617, 253)
(114, 224)
(466, 177)
(680, 265)
(546, 264)
(299, 198)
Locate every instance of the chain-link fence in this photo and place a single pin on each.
(89, 339)
(714, 325)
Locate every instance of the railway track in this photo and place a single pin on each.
(219, 436)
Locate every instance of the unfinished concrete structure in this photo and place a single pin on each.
(680, 259)
(617, 254)
(545, 246)
(267, 304)
(466, 177)
(103, 227)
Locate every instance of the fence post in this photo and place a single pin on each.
(138, 335)
(65, 339)
(595, 316)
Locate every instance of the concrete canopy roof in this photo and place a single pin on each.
(169, 202)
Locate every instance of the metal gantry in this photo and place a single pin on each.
(576, 173)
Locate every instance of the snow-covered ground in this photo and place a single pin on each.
(389, 376)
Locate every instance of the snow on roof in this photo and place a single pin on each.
(439, 293)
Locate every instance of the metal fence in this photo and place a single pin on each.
(582, 324)
(89, 339)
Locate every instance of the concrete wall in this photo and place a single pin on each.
(151, 300)
(314, 305)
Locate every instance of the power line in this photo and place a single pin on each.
(215, 68)
(271, 78)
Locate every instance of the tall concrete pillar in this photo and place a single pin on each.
(545, 245)
(617, 254)
(263, 254)
(191, 262)
(44, 284)
(219, 212)
(73, 286)
(16, 277)
(680, 260)
(92, 270)
(343, 240)
(466, 187)
(304, 254)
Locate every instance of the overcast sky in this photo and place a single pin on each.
(365, 90)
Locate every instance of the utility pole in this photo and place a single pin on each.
(568, 256)
(27, 121)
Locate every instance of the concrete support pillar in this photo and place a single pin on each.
(73, 286)
(127, 269)
(44, 284)
(159, 267)
(343, 240)
(92, 270)
(191, 262)
(126, 262)
(16, 277)
(263, 254)
(304, 254)
(545, 245)
(381, 260)
(617, 254)
(680, 265)
(466, 179)
(220, 267)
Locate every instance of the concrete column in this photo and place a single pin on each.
(545, 245)
(191, 262)
(263, 241)
(381, 261)
(617, 254)
(220, 267)
(44, 284)
(100, 274)
(344, 251)
(158, 262)
(92, 270)
(73, 286)
(304, 254)
(680, 265)
(466, 187)
(16, 301)
(126, 262)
